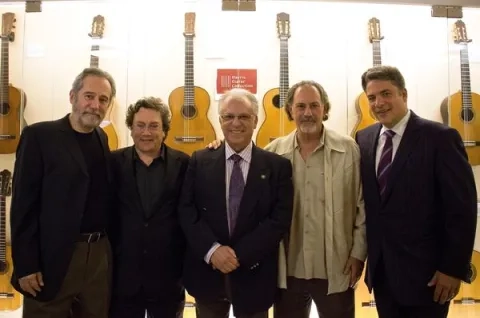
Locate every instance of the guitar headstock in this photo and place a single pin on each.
(5, 183)
(98, 26)
(283, 25)
(460, 33)
(189, 24)
(8, 24)
(374, 31)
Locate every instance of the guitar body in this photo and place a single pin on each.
(364, 301)
(469, 130)
(10, 299)
(109, 128)
(276, 123)
(470, 292)
(365, 116)
(10, 120)
(190, 128)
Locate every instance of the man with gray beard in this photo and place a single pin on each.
(60, 207)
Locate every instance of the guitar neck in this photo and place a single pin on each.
(3, 234)
(284, 85)
(4, 77)
(189, 72)
(377, 53)
(465, 77)
(94, 60)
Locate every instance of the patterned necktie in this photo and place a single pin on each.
(385, 162)
(235, 192)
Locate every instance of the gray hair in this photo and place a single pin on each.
(237, 93)
(94, 71)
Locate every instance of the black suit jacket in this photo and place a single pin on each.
(50, 187)
(428, 220)
(264, 217)
(149, 252)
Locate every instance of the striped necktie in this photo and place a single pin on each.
(385, 162)
(235, 192)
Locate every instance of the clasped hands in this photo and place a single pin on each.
(224, 259)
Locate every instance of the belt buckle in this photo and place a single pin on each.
(95, 235)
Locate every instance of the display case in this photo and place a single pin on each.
(189, 52)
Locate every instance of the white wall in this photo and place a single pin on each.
(143, 48)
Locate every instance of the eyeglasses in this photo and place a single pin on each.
(142, 127)
(230, 117)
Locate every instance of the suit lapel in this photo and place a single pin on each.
(257, 180)
(71, 144)
(130, 183)
(407, 144)
(370, 158)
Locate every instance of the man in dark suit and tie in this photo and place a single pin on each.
(60, 207)
(236, 206)
(147, 240)
(420, 202)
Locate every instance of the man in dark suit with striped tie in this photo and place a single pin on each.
(236, 206)
(420, 203)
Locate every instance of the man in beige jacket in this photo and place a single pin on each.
(323, 256)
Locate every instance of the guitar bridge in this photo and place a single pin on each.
(466, 301)
(6, 295)
(471, 143)
(370, 303)
(188, 139)
(7, 137)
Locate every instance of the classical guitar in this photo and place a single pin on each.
(10, 299)
(12, 100)
(98, 26)
(276, 123)
(190, 128)
(362, 106)
(469, 293)
(460, 109)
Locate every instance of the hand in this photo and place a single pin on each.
(214, 144)
(354, 267)
(32, 283)
(447, 287)
(224, 259)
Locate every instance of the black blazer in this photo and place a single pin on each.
(149, 252)
(50, 187)
(428, 220)
(265, 216)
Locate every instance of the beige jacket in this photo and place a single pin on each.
(344, 208)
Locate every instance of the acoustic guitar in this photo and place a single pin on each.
(469, 293)
(12, 99)
(460, 110)
(362, 106)
(276, 123)
(10, 299)
(98, 26)
(190, 128)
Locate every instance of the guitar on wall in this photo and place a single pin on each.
(362, 106)
(10, 299)
(276, 123)
(190, 128)
(12, 99)
(98, 26)
(469, 293)
(460, 110)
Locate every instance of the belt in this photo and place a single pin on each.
(91, 237)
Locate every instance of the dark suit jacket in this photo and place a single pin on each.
(427, 221)
(264, 217)
(50, 187)
(149, 252)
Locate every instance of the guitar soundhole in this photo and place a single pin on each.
(276, 101)
(467, 115)
(3, 267)
(189, 112)
(4, 109)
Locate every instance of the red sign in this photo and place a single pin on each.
(236, 78)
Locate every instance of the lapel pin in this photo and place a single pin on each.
(262, 176)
